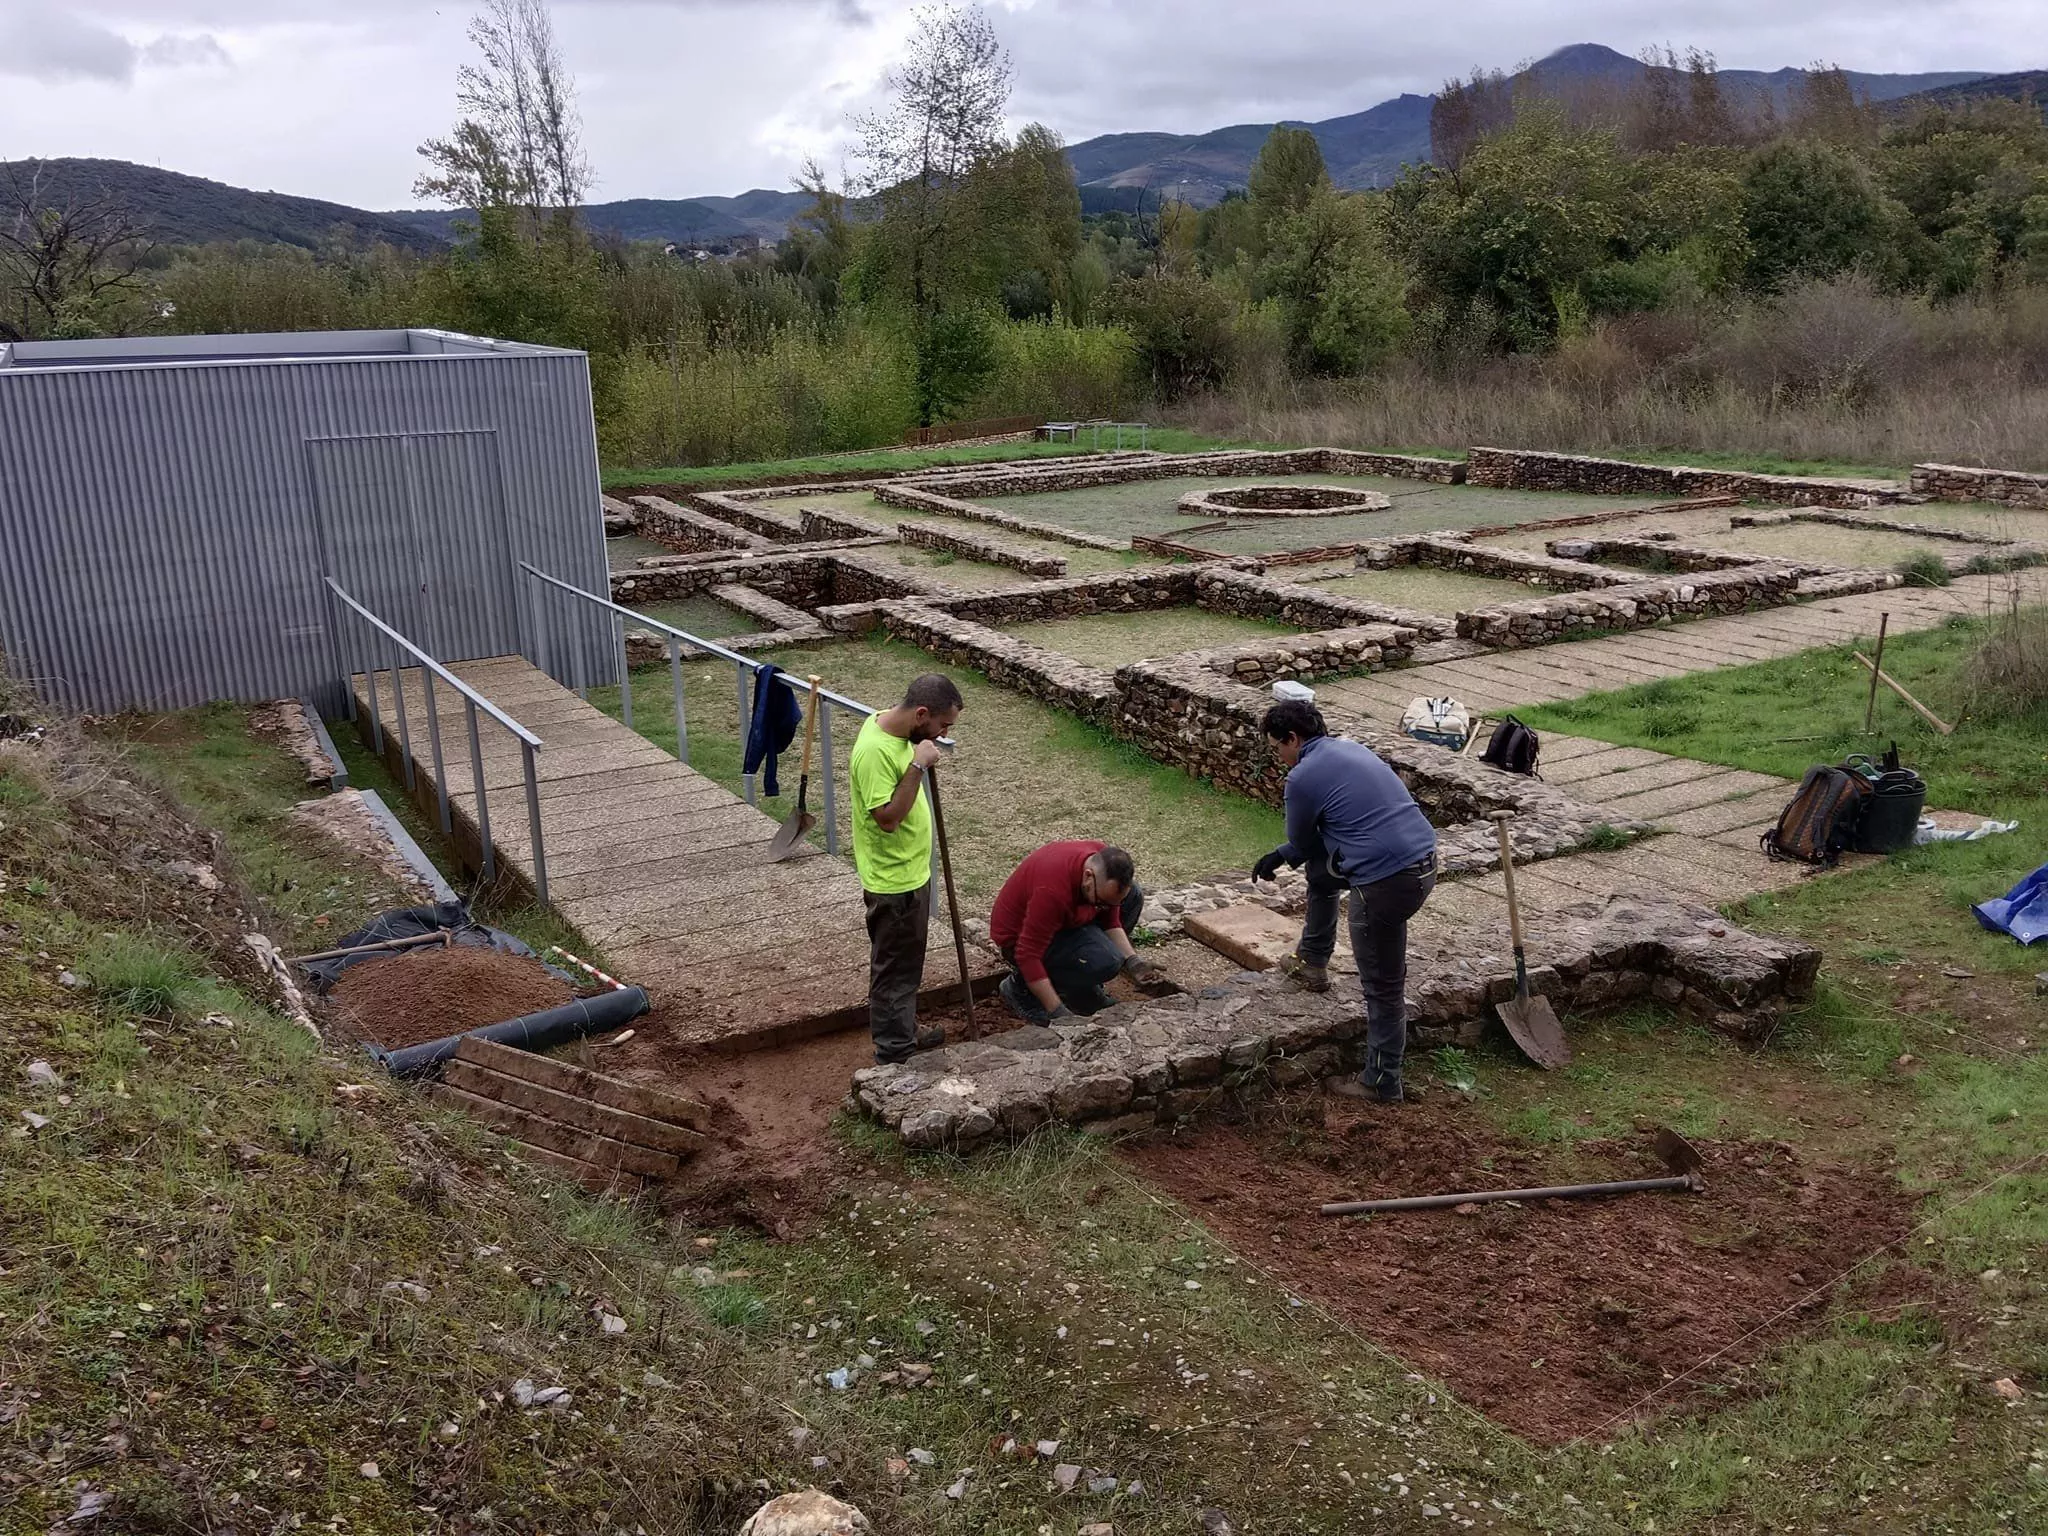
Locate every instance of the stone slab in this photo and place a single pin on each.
(1256, 937)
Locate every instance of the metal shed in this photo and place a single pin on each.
(169, 507)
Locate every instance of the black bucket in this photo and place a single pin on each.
(1892, 813)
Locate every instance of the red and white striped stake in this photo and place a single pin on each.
(611, 981)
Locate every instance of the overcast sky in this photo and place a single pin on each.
(330, 98)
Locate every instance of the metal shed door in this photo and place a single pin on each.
(414, 528)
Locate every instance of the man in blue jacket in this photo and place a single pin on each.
(1351, 820)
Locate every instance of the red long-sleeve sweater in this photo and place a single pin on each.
(1041, 897)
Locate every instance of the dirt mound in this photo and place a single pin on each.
(1554, 1317)
(775, 1163)
(428, 993)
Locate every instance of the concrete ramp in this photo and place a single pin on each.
(666, 872)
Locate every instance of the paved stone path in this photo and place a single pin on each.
(1711, 815)
(661, 868)
(1491, 681)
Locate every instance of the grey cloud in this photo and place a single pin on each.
(42, 44)
(55, 46)
(199, 50)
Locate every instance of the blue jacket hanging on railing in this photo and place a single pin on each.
(772, 724)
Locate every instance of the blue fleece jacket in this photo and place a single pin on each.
(1343, 801)
(771, 726)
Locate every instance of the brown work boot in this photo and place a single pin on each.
(1355, 1088)
(1310, 978)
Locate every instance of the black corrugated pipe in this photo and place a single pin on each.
(528, 1032)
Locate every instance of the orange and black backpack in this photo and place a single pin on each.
(1821, 820)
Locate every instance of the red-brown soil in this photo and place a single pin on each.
(430, 992)
(777, 1164)
(1553, 1318)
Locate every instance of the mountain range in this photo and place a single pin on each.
(1362, 149)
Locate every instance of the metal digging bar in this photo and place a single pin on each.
(382, 636)
(1676, 1153)
(825, 702)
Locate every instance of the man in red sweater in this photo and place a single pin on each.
(1062, 920)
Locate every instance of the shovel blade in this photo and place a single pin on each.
(790, 836)
(1534, 1026)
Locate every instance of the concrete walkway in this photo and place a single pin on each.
(1494, 681)
(665, 871)
(1711, 816)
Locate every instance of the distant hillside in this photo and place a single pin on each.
(1362, 149)
(684, 220)
(2028, 85)
(189, 209)
(1368, 149)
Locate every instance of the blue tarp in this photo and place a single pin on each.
(2022, 911)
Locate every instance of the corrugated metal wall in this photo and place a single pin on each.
(164, 528)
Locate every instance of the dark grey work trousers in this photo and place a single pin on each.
(897, 925)
(1379, 942)
(1080, 962)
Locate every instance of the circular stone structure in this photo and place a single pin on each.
(1282, 501)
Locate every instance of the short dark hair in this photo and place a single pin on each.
(1117, 866)
(1294, 717)
(933, 691)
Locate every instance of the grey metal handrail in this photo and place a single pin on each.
(743, 667)
(472, 703)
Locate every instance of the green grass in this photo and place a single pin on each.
(1114, 639)
(1759, 463)
(709, 477)
(1025, 772)
(1783, 716)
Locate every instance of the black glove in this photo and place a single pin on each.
(1140, 968)
(1059, 1013)
(1268, 868)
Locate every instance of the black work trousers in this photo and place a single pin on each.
(897, 926)
(1379, 943)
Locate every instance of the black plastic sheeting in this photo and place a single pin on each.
(529, 1032)
(410, 922)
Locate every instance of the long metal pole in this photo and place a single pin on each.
(434, 736)
(739, 672)
(617, 626)
(540, 853)
(1870, 704)
(1684, 1181)
(675, 677)
(483, 802)
(398, 705)
(376, 709)
(931, 780)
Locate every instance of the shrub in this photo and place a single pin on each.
(1924, 568)
(2008, 672)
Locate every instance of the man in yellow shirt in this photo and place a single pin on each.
(892, 850)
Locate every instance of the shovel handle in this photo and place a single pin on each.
(810, 729)
(1507, 874)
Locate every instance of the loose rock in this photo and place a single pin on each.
(807, 1512)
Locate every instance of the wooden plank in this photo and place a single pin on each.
(551, 1136)
(572, 1109)
(564, 1077)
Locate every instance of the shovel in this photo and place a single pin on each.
(800, 820)
(1673, 1150)
(1530, 1020)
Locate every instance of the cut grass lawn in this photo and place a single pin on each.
(1113, 639)
(709, 477)
(1025, 773)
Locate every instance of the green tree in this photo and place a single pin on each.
(1810, 210)
(1340, 294)
(1287, 174)
(1179, 323)
(1534, 210)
